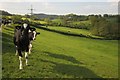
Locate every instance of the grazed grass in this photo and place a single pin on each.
(72, 30)
(56, 55)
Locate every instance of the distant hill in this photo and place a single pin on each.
(5, 13)
(41, 16)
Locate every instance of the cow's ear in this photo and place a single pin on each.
(32, 29)
(38, 33)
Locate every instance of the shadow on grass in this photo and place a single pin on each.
(67, 58)
(73, 70)
(7, 43)
(8, 29)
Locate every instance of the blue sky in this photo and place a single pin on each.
(60, 7)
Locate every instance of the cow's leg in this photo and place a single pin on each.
(20, 58)
(30, 47)
(26, 57)
(20, 66)
(16, 53)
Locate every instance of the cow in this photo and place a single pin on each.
(32, 36)
(21, 41)
(6, 22)
(23, 37)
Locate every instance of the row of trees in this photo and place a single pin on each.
(67, 23)
(105, 26)
(18, 19)
(5, 13)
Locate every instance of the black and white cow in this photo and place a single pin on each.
(32, 36)
(6, 22)
(22, 41)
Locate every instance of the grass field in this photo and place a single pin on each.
(85, 23)
(75, 22)
(58, 56)
(72, 30)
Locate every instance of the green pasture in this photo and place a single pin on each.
(85, 23)
(72, 30)
(59, 56)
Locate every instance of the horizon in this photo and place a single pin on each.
(59, 14)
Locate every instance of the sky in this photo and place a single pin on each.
(61, 7)
(59, 0)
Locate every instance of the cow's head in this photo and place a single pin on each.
(33, 33)
(26, 26)
(17, 32)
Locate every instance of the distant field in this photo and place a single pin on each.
(72, 30)
(42, 22)
(86, 23)
(57, 20)
(59, 56)
(82, 22)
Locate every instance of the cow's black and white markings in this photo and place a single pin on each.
(6, 22)
(32, 36)
(21, 41)
(23, 37)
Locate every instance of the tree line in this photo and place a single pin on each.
(100, 25)
(106, 26)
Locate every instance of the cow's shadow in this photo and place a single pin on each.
(68, 69)
(64, 57)
(75, 71)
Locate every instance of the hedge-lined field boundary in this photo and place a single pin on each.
(70, 34)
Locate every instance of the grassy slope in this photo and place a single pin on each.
(73, 30)
(77, 22)
(56, 55)
(86, 23)
(57, 20)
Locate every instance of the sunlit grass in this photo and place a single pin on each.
(59, 56)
